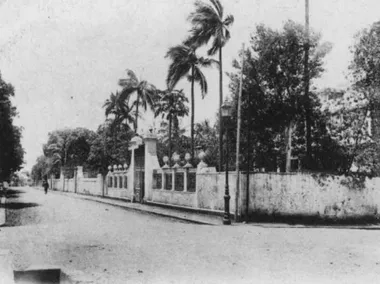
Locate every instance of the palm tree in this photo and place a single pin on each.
(119, 108)
(146, 93)
(172, 106)
(209, 22)
(121, 111)
(186, 63)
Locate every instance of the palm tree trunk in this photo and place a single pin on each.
(307, 79)
(220, 110)
(114, 140)
(192, 112)
(170, 139)
(137, 112)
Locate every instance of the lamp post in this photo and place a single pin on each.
(226, 116)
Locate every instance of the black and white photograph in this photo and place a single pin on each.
(189, 141)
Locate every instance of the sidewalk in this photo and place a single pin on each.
(167, 211)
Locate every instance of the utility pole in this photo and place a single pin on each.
(237, 196)
(307, 83)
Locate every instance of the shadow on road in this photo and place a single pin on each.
(20, 205)
(11, 193)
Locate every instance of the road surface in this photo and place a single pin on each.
(113, 245)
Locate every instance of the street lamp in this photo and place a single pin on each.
(226, 110)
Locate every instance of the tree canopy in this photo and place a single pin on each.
(273, 89)
(11, 151)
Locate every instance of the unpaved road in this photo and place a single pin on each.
(112, 245)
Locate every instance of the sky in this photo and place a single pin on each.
(64, 57)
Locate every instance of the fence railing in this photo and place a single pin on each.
(117, 180)
(175, 179)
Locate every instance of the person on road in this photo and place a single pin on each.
(45, 185)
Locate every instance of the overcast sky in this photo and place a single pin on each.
(64, 57)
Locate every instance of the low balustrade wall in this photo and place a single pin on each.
(119, 185)
(190, 187)
(175, 186)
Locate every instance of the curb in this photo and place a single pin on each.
(106, 200)
(188, 209)
(148, 212)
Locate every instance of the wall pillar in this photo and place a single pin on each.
(151, 163)
(99, 182)
(80, 172)
(133, 145)
(131, 177)
(61, 181)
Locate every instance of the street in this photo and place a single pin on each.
(113, 245)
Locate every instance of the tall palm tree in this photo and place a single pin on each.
(209, 23)
(185, 63)
(146, 93)
(171, 106)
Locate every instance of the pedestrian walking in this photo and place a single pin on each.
(45, 185)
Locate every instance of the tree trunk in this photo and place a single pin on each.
(192, 112)
(170, 139)
(137, 112)
(288, 141)
(220, 110)
(114, 139)
(375, 121)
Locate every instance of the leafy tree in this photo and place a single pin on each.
(348, 124)
(209, 22)
(206, 136)
(185, 63)
(180, 142)
(273, 86)
(11, 151)
(365, 71)
(171, 106)
(68, 148)
(101, 153)
(146, 93)
(40, 169)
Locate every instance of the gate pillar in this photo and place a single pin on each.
(134, 144)
(151, 163)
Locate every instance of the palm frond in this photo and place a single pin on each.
(175, 73)
(229, 20)
(208, 62)
(130, 81)
(200, 78)
(199, 36)
(218, 7)
(127, 92)
(203, 12)
(207, 21)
